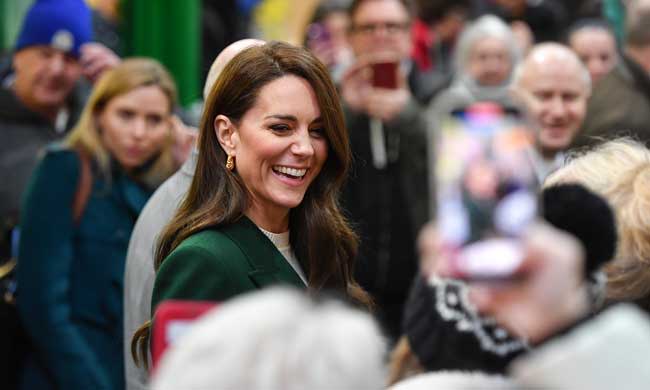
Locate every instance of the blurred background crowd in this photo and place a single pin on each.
(133, 172)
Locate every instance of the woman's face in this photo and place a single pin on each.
(597, 49)
(489, 61)
(280, 145)
(135, 125)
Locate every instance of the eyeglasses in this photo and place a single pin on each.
(372, 28)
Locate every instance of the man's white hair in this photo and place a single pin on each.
(277, 339)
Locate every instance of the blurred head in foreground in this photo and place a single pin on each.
(277, 339)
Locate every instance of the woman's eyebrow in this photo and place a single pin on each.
(282, 116)
(292, 118)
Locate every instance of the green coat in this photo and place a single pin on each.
(70, 275)
(217, 264)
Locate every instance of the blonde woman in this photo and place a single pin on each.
(619, 171)
(79, 209)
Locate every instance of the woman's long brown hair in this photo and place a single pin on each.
(320, 235)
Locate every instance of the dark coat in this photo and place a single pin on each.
(24, 134)
(387, 207)
(220, 263)
(70, 275)
(619, 105)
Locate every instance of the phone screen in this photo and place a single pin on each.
(485, 189)
(384, 75)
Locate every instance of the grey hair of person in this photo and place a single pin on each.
(550, 48)
(487, 26)
(277, 338)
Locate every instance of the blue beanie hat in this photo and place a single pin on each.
(63, 24)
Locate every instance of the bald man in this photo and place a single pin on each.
(139, 273)
(553, 85)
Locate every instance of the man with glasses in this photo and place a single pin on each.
(386, 195)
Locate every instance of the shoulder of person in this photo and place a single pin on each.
(211, 240)
(58, 157)
(205, 266)
(58, 150)
(209, 248)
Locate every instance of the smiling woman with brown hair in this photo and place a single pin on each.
(263, 206)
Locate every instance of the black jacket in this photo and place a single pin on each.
(24, 134)
(388, 206)
(619, 105)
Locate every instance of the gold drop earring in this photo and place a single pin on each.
(230, 163)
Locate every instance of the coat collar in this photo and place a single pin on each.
(267, 263)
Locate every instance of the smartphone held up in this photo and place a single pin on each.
(486, 191)
(384, 74)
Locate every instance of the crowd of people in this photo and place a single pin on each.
(307, 205)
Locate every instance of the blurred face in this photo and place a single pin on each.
(597, 49)
(381, 26)
(516, 7)
(337, 24)
(556, 96)
(44, 77)
(451, 24)
(280, 145)
(489, 61)
(134, 126)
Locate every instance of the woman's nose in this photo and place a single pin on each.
(302, 144)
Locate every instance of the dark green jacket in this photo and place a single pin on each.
(70, 275)
(217, 264)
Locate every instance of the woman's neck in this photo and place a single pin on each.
(274, 220)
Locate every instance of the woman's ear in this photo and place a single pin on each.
(226, 134)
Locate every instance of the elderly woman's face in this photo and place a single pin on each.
(135, 125)
(489, 61)
(280, 144)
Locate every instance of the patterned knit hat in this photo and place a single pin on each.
(62, 24)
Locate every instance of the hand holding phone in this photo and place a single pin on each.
(550, 296)
(487, 261)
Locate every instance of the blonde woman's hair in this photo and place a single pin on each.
(129, 75)
(619, 171)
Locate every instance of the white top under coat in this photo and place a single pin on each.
(281, 242)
